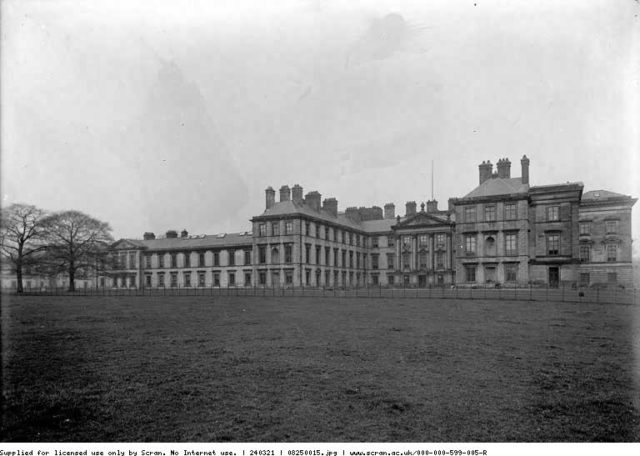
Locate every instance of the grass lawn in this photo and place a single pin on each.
(313, 369)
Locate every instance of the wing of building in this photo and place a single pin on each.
(504, 231)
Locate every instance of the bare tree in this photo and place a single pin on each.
(21, 236)
(75, 242)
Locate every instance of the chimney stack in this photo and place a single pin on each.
(313, 200)
(172, 234)
(285, 193)
(331, 205)
(184, 234)
(525, 169)
(389, 211)
(148, 236)
(296, 194)
(410, 208)
(432, 206)
(504, 168)
(353, 213)
(486, 169)
(270, 195)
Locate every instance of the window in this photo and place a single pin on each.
(344, 258)
(232, 278)
(327, 257)
(187, 260)
(275, 228)
(262, 254)
(343, 236)
(406, 242)
(132, 260)
(174, 260)
(390, 260)
(288, 227)
(374, 261)
(288, 253)
(262, 278)
(262, 230)
(374, 279)
(232, 257)
(350, 238)
(307, 253)
(423, 240)
(275, 256)
(406, 260)
(307, 229)
(439, 260)
(511, 244)
(511, 272)
(174, 279)
(612, 277)
(510, 212)
(335, 257)
(490, 213)
(357, 240)
(216, 258)
(247, 257)
(147, 280)
(553, 213)
(187, 279)
(161, 279)
(216, 279)
(374, 241)
(357, 260)
(351, 258)
(553, 244)
(318, 230)
(611, 226)
(247, 279)
(440, 240)
(423, 259)
(327, 277)
(585, 228)
(612, 252)
(470, 243)
(470, 214)
(307, 276)
(318, 254)
(390, 279)
(326, 234)
(147, 261)
(584, 279)
(201, 277)
(470, 273)
(201, 260)
(391, 241)
(585, 252)
(288, 277)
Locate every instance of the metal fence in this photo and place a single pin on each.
(612, 295)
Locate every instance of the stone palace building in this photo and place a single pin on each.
(504, 231)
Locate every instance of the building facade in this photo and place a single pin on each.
(505, 231)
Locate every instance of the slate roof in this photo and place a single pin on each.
(499, 186)
(595, 195)
(193, 242)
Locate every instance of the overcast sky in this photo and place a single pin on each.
(172, 115)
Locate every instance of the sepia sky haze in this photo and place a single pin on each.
(178, 114)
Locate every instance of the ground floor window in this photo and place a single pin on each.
(147, 280)
(612, 277)
(161, 279)
(187, 279)
(174, 279)
(232, 278)
(262, 278)
(247, 279)
(390, 279)
(216, 279)
(201, 279)
(307, 276)
(327, 277)
(288, 277)
(374, 279)
(275, 278)
(612, 253)
(510, 272)
(470, 273)
(407, 279)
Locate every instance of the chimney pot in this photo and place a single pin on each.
(285, 193)
(331, 205)
(172, 234)
(525, 169)
(148, 236)
(270, 196)
(410, 208)
(389, 211)
(296, 194)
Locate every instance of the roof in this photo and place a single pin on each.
(193, 242)
(596, 195)
(291, 208)
(499, 186)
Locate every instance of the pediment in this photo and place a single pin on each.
(422, 219)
